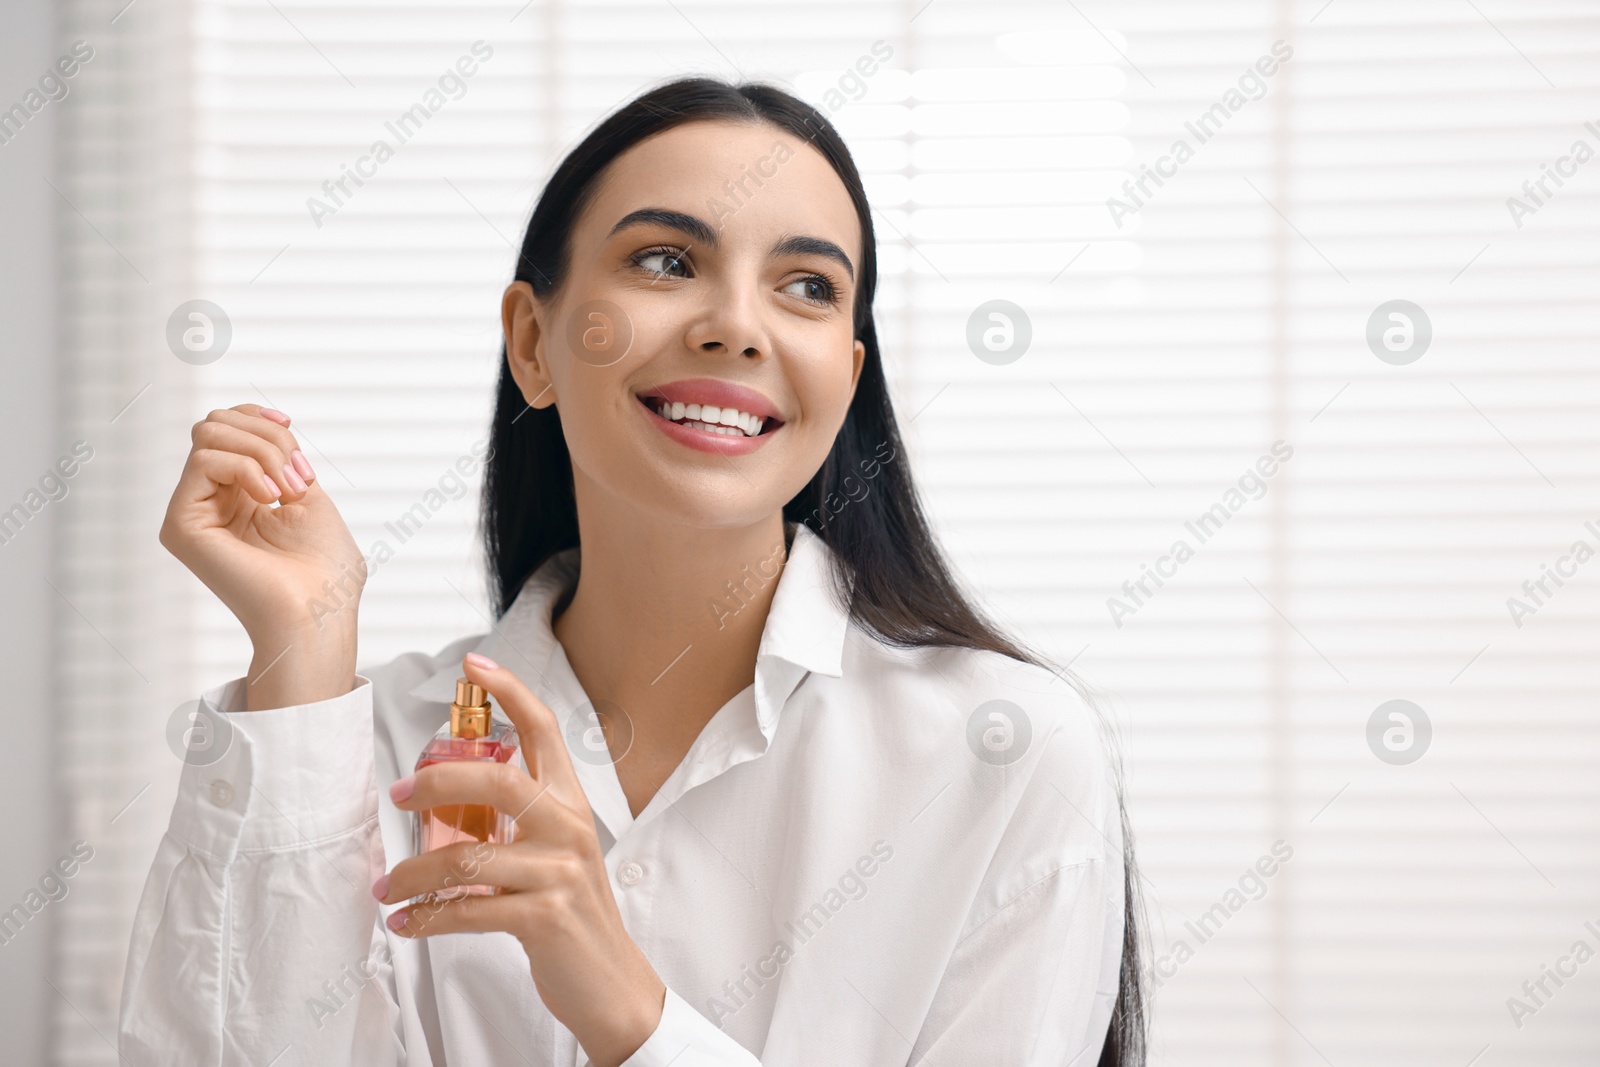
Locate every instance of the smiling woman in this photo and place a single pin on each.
(688, 783)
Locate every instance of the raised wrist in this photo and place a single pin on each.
(300, 668)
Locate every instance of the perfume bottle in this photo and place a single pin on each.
(471, 734)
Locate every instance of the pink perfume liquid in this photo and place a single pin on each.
(450, 824)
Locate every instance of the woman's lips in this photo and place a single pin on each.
(705, 440)
(715, 391)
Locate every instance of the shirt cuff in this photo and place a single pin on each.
(274, 779)
(681, 1030)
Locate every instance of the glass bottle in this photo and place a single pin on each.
(471, 734)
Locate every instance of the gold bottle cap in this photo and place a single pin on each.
(469, 715)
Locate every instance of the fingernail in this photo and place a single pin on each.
(293, 480)
(380, 888)
(272, 487)
(483, 662)
(275, 415)
(303, 465)
(397, 921)
(402, 789)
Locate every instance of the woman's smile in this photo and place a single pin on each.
(711, 415)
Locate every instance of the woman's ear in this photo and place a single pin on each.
(858, 356)
(521, 315)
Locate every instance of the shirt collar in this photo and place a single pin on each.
(805, 628)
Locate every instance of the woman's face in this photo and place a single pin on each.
(713, 268)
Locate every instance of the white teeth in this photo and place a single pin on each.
(711, 419)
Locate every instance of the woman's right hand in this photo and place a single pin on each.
(273, 567)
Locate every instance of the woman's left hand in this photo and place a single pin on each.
(554, 892)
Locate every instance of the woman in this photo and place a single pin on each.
(787, 794)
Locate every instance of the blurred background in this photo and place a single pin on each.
(1247, 356)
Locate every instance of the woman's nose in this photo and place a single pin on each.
(733, 322)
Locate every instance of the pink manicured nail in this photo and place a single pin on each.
(293, 479)
(272, 487)
(397, 921)
(483, 662)
(380, 888)
(275, 415)
(303, 465)
(403, 789)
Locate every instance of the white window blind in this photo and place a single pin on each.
(1227, 312)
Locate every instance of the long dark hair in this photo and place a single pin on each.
(890, 570)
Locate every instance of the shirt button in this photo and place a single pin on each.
(629, 873)
(221, 793)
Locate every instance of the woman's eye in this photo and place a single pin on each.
(668, 264)
(816, 289)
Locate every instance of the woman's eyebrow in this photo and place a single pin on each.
(814, 246)
(704, 233)
(676, 220)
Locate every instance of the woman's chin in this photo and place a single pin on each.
(652, 492)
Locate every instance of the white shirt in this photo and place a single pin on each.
(855, 863)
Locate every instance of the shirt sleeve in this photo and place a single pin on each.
(684, 1036)
(257, 939)
(1034, 978)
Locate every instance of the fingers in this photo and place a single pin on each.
(209, 468)
(474, 913)
(468, 863)
(224, 439)
(538, 813)
(543, 746)
(521, 867)
(262, 434)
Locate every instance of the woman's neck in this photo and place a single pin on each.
(666, 621)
